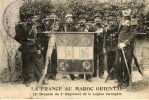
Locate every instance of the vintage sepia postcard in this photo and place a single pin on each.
(74, 49)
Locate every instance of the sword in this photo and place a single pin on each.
(104, 49)
(129, 74)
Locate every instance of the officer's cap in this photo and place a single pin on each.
(82, 16)
(98, 8)
(112, 14)
(36, 17)
(81, 10)
(111, 18)
(125, 7)
(52, 15)
(53, 11)
(99, 14)
(106, 6)
(126, 11)
(68, 15)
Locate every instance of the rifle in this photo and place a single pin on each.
(104, 49)
(51, 45)
(112, 69)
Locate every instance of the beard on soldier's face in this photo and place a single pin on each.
(98, 24)
(69, 22)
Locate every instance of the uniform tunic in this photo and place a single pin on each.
(98, 50)
(127, 33)
(112, 33)
(32, 61)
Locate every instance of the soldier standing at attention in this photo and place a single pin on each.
(69, 26)
(84, 28)
(127, 30)
(32, 57)
(112, 35)
(98, 45)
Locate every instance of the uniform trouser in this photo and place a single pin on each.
(72, 76)
(122, 73)
(110, 63)
(88, 76)
(98, 55)
(52, 66)
(32, 64)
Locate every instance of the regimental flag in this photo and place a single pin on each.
(75, 52)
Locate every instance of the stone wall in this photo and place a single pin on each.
(142, 52)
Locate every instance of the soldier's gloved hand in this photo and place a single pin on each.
(121, 45)
(39, 51)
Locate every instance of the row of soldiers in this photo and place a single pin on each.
(114, 35)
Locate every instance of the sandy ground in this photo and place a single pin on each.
(74, 89)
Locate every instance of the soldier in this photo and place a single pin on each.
(112, 33)
(51, 23)
(84, 28)
(32, 57)
(124, 55)
(98, 45)
(69, 26)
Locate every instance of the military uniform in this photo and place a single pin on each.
(98, 47)
(84, 28)
(112, 35)
(127, 31)
(32, 58)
